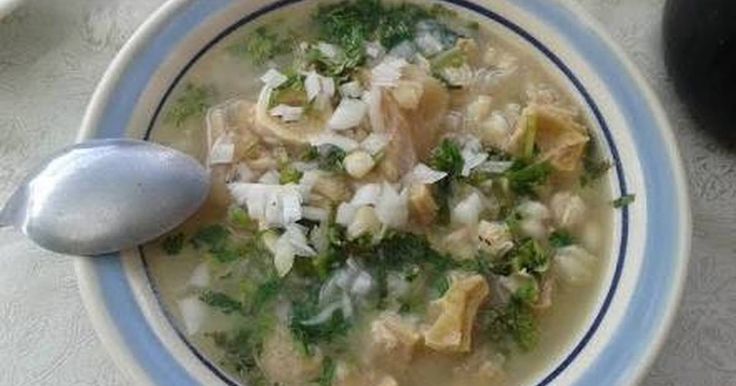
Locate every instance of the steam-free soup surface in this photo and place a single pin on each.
(401, 197)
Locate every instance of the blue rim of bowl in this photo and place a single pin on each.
(647, 310)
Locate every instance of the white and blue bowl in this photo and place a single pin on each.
(643, 277)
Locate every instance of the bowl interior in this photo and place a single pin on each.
(629, 125)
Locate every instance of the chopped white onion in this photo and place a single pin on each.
(283, 257)
(534, 228)
(574, 264)
(287, 113)
(307, 182)
(495, 167)
(404, 50)
(200, 276)
(362, 284)
(298, 239)
(318, 237)
(223, 150)
(466, 212)
(423, 174)
(348, 114)
(473, 154)
(328, 138)
(364, 222)
(392, 208)
(428, 43)
(374, 98)
(346, 306)
(568, 209)
(316, 84)
(193, 313)
(345, 213)
(358, 164)
(314, 213)
(273, 78)
(324, 315)
(534, 210)
(312, 85)
(458, 76)
(374, 50)
(367, 194)
(270, 177)
(304, 166)
(374, 143)
(351, 89)
(388, 72)
(330, 51)
(272, 205)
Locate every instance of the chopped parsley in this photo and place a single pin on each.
(624, 201)
(331, 159)
(192, 103)
(261, 46)
(223, 302)
(524, 178)
(289, 175)
(515, 320)
(329, 368)
(593, 166)
(447, 158)
(173, 244)
(560, 239)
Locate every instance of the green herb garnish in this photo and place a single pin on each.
(261, 46)
(560, 239)
(223, 302)
(524, 177)
(173, 244)
(623, 201)
(192, 103)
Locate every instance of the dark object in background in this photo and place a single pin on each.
(700, 51)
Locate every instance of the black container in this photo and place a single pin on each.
(700, 51)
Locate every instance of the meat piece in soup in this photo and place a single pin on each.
(401, 197)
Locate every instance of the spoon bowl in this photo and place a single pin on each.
(106, 195)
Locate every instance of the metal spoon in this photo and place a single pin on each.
(106, 195)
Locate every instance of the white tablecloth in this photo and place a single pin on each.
(52, 54)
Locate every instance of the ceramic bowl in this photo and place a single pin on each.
(643, 276)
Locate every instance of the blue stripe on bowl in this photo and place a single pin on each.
(651, 294)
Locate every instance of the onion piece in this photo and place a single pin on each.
(367, 194)
(345, 213)
(328, 138)
(351, 89)
(193, 313)
(298, 239)
(348, 114)
(283, 257)
(392, 208)
(467, 211)
(200, 276)
(272, 205)
(388, 72)
(374, 50)
(312, 85)
(375, 143)
(323, 316)
(222, 151)
(329, 51)
(273, 78)
(373, 99)
(423, 174)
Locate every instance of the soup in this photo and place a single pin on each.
(400, 197)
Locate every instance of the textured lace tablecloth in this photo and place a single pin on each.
(52, 54)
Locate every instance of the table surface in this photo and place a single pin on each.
(53, 53)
